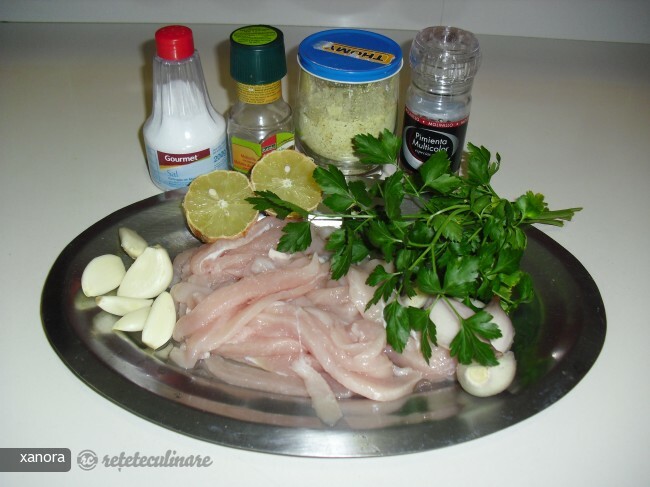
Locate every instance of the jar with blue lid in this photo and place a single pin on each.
(349, 85)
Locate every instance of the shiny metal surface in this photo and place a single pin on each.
(559, 338)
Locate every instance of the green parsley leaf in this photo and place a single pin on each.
(268, 200)
(341, 262)
(397, 325)
(339, 203)
(381, 236)
(448, 226)
(531, 205)
(508, 260)
(360, 193)
(460, 276)
(331, 180)
(437, 165)
(342, 258)
(359, 251)
(296, 237)
(467, 344)
(419, 234)
(348, 250)
(436, 175)
(336, 240)
(384, 282)
(377, 150)
(479, 168)
(405, 258)
(418, 318)
(428, 281)
(394, 195)
(446, 183)
(478, 163)
(419, 321)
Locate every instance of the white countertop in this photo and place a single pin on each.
(570, 119)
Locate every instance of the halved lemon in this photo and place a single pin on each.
(289, 174)
(215, 205)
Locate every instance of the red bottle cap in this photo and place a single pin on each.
(174, 42)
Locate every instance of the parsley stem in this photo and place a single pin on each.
(445, 210)
(314, 217)
(432, 245)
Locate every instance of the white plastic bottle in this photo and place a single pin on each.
(184, 136)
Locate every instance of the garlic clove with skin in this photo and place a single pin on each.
(483, 381)
(149, 275)
(446, 319)
(503, 321)
(159, 326)
(131, 242)
(102, 274)
(418, 300)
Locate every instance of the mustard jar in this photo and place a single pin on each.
(348, 85)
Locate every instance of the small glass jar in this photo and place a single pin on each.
(349, 85)
(260, 121)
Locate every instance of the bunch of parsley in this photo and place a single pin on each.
(440, 233)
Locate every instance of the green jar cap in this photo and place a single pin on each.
(257, 55)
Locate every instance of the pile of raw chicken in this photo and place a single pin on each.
(259, 318)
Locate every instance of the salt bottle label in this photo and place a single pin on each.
(423, 137)
(172, 171)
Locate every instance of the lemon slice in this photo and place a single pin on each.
(215, 205)
(289, 174)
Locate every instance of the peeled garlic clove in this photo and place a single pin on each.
(149, 275)
(160, 323)
(133, 321)
(102, 275)
(482, 381)
(120, 305)
(132, 243)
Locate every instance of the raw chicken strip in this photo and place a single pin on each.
(208, 254)
(323, 398)
(220, 316)
(228, 298)
(384, 387)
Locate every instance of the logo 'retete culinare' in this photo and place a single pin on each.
(87, 460)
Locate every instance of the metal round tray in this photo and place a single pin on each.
(559, 337)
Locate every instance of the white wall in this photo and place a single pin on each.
(597, 20)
